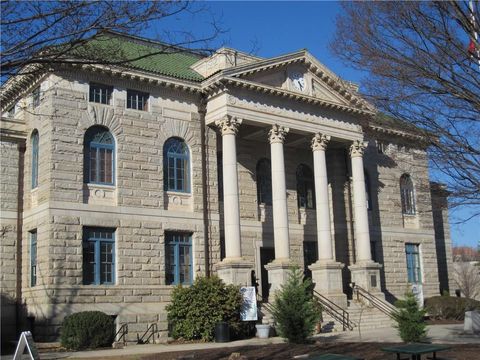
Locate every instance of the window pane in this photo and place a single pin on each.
(93, 165)
(106, 263)
(101, 166)
(170, 264)
(108, 166)
(89, 262)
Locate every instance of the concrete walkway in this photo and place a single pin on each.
(445, 334)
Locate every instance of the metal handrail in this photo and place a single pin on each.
(335, 311)
(153, 329)
(378, 303)
(122, 331)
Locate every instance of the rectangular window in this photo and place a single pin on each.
(36, 97)
(98, 256)
(413, 263)
(178, 262)
(33, 257)
(137, 100)
(100, 93)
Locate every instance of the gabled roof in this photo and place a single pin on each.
(149, 56)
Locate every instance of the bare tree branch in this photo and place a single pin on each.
(421, 72)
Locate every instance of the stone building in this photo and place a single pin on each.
(119, 182)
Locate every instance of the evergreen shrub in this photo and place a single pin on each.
(87, 330)
(449, 307)
(196, 309)
(295, 311)
(410, 319)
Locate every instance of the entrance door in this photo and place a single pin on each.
(310, 256)
(267, 255)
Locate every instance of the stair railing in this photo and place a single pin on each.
(376, 302)
(121, 334)
(335, 311)
(151, 331)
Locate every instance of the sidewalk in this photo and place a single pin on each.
(445, 334)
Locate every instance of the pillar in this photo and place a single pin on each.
(278, 269)
(365, 272)
(233, 269)
(326, 272)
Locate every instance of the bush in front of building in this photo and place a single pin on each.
(87, 330)
(449, 307)
(195, 310)
(295, 311)
(410, 319)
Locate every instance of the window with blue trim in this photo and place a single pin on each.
(176, 165)
(413, 263)
(98, 256)
(264, 182)
(179, 258)
(33, 257)
(99, 156)
(407, 195)
(305, 187)
(35, 147)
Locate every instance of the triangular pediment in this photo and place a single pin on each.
(300, 73)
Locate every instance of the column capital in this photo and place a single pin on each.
(277, 134)
(228, 125)
(320, 142)
(357, 148)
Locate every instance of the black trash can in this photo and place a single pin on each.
(222, 332)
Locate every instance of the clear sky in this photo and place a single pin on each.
(272, 28)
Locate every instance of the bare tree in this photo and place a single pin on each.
(467, 277)
(420, 70)
(49, 32)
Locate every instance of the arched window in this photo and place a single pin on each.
(264, 182)
(34, 142)
(368, 191)
(305, 187)
(407, 195)
(99, 156)
(176, 165)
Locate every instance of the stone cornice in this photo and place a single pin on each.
(223, 83)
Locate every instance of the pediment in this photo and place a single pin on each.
(302, 74)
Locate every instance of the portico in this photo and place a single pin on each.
(326, 272)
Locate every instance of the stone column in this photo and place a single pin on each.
(326, 272)
(365, 272)
(233, 269)
(278, 269)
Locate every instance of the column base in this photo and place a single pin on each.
(327, 277)
(278, 273)
(367, 276)
(235, 271)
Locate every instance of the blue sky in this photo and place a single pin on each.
(272, 28)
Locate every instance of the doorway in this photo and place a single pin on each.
(310, 256)
(267, 255)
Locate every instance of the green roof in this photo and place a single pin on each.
(141, 54)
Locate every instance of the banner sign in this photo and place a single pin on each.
(248, 311)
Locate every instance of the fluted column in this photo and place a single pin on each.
(229, 128)
(362, 233)
(233, 269)
(319, 146)
(276, 136)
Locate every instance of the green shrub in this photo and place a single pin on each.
(87, 330)
(195, 310)
(295, 311)
(449, 307)
(410, 319)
